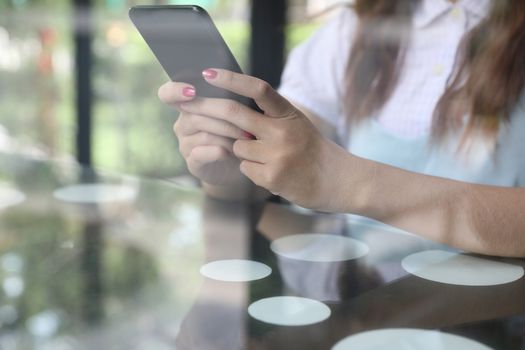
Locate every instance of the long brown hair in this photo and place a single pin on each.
(486, 82)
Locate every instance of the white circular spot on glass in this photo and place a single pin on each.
(453, 268)
(319, 247)
(407, 339)
(235, 270)
(289, 311)
(44, 324)
(13, 286)
(96, 193)
(10, 197)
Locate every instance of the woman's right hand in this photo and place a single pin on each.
(205, 143)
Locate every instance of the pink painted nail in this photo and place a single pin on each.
(188, 91)
(248, 135)
(209, 74)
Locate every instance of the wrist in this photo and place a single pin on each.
(362, 182)
(357, 184)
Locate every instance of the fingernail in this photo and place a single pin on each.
(248, 135)
(209, 74)
(188, 91)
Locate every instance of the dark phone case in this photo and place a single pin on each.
(185, 41)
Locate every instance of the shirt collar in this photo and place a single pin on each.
(429, 10)
(479, 8)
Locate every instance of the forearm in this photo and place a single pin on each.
(481, 219)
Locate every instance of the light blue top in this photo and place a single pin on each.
(502, 166)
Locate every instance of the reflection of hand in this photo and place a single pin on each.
(205, 143)
(289, 155)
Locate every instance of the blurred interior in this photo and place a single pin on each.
(78, 82)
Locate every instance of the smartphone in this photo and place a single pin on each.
(185, 41)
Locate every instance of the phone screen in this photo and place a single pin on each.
(186, 42)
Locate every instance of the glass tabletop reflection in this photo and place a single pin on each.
(96, 260)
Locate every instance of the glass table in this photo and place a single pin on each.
(96, 260)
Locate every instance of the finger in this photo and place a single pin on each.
(259, 90)
(204, 155)
(173, 93)
(188, 143)
(251, 150)
(207, 154)
(230, 111)
(189, 124)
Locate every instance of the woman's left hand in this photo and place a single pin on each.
(289, 156)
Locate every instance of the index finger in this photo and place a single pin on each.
(259, 90)
(230, 111)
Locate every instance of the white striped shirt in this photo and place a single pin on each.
(314, 75)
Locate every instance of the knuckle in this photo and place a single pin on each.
(177, 127)
(184, 149)
(262, 89)
(219, 153)
(185, 123)
(233, 107)
(229, 130)
(180, 125)
(260, 123)
(238, 148)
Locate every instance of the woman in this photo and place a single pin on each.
(410, 130)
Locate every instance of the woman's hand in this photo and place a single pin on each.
(289, 156)
(205, 143)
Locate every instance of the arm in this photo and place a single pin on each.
(292, 158)
(476, 218)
